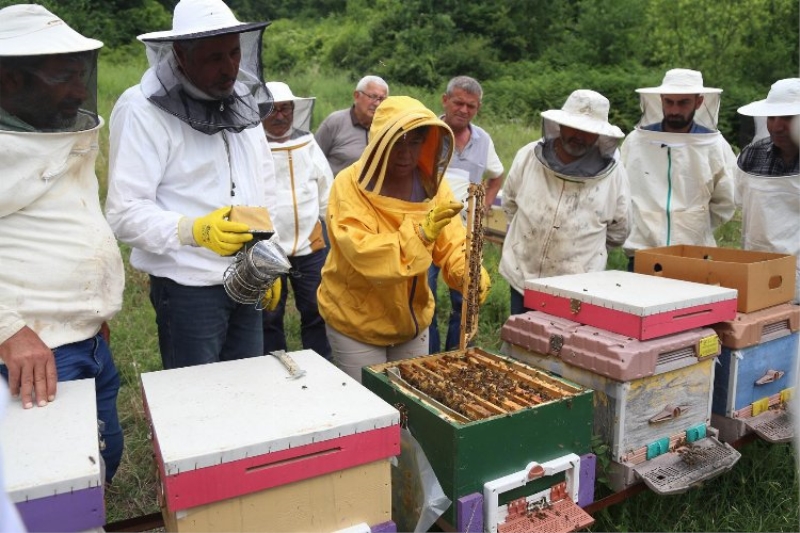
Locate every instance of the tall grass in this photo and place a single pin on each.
(759, 494)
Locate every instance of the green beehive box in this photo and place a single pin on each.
(465, 454)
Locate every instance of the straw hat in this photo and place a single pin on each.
(783, 100)
(195, 19)
(680, 81)
(32, 30)
(587, 111)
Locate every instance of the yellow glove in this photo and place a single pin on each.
(486, 286)
(215, 232)
(437, 218)
(273, 295)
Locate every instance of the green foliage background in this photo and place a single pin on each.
(529, 54)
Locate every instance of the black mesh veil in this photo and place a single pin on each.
(166, 86)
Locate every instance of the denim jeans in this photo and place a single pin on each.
(92, 359)
(305, 280)
(517, 302)
(454, 323)
(199, 325)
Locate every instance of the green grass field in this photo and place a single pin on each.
(759, 494)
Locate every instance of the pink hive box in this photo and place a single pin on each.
(602, 352)
(636, 305)
(242, 447)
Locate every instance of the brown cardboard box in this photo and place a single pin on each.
(496, 220)
(257, 218)
(763, 279)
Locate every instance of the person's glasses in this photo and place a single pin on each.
(374, 97)
(63, 77)
(283, 109)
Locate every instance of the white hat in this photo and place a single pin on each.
(282, 93)
(195, 19)
(681, 81)
(586, 111)
(31, 30)
(783, 100)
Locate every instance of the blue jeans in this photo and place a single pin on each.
(517, 302)
(92, 359)
(454, 323)
(305, 280)
(199, 325)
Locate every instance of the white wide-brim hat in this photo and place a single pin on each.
(196, 19)
(282, 93)
(783, 100)
(680, 81)
(32, 30)
(585, 110)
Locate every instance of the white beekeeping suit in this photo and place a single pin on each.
(681, 183)
(770, 199)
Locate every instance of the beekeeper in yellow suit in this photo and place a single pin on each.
(389, 217)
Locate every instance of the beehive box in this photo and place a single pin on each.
(603, 352)
(496, 433)
(52, 461)
(756, 380)
(650, 418)
(639, 306)
(762, 279)
(749, 329)
(242, 447)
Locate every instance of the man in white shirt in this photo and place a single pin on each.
(62, 275)
(186, 144)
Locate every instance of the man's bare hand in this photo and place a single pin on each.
(31, 368)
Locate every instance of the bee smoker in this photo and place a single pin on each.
(254, 270)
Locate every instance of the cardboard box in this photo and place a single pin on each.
(762, 279)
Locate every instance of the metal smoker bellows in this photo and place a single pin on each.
(254, 270)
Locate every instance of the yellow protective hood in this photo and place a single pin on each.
(395, 116)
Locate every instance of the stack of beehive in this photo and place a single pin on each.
(759, 360)
(642, 344)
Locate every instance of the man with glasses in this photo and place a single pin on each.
(62, 275)
(343, 134)
(304, 184)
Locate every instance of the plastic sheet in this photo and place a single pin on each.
(417, 497)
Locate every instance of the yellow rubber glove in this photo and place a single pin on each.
(486, 286)
(273, 295)
(437, 218)
(215, 232)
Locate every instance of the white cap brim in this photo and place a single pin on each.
(583, 123)
(762, 108)
(31, 30)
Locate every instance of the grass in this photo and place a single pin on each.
(759, 494)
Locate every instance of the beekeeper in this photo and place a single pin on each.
(186, 144)
(304, 181)
(566, 196)
(768, 179)
(62, 275)
(679, 165)
(390, 215)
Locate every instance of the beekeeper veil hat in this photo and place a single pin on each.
(680, 81)
(303, 107)
(167, 86)
(48, 56)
